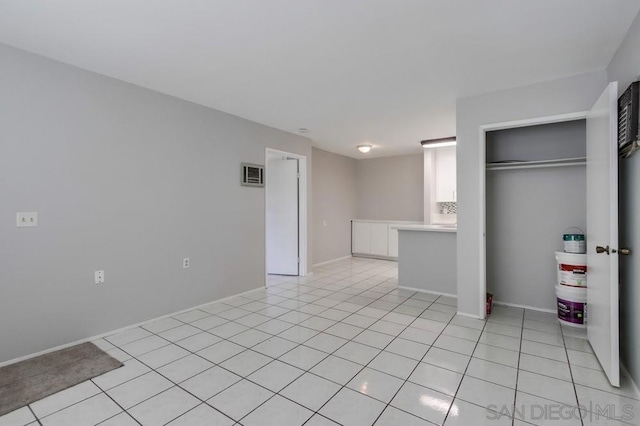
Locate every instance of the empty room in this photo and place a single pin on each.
(319, 212)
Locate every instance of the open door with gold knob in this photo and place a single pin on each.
(602, 232)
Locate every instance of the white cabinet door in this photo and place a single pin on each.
(361, 238)
(446, 175)
(379, 239)
(393, 242)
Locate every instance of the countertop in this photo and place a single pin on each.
(426, 228)
(399, 222)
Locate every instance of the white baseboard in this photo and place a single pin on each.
(420, 290)
(108, 333)
(532, 308)
(463, 314)
(438, 293)
(495, 302)
(634, 385)
(374, 256)
(331, 261)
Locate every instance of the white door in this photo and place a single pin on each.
(282, 217)
(602, 232)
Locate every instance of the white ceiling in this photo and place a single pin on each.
(385, 72)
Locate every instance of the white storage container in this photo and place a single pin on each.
(574, 242)
(572, 306)
(572, 269)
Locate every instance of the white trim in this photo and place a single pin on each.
(331, 261)
(531, 308)
(483, 129)
(634, 385)
(437, 293)
(463, 314)
(375, 256)
(419, 290)
(119, 330)
(549, 119)
(302, 209)
(482, 296)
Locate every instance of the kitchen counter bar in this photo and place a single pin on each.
(427, 258)
(427, 228)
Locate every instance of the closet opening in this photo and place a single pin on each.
(535, 183)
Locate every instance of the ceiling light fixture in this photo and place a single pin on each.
(303, 130)
(438, 143)
(364, 148)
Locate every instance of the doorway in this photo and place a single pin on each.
(285, 213)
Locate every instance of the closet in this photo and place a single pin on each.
(535, 190)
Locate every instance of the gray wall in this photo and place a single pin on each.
(527, 212)
(391, 188)
(625, 68)
(126, 180)
(427, 261)
(566, 95)
(542, 142)
(334, 202)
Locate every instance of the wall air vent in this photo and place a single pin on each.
(628, 117)
(252, 175)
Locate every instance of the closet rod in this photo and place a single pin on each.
(536, 164)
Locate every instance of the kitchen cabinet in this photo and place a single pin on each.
(361, 237)
(380, 239)
(376, 238)
(445, 176)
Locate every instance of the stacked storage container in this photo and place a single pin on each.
(571, 291)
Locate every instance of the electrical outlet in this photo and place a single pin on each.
(26, 219)
(99, 275)
(186, 263)
(324, 223)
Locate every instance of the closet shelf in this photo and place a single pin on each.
(560, 162)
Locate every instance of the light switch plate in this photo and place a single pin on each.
(26, 219)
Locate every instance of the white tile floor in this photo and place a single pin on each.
(343, 346)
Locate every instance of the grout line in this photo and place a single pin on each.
(573, 383)
(465, 373)
(515, 392)
(34, 414)
(116, 402)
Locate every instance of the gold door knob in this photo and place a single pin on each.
(600, 249)
(626, 251)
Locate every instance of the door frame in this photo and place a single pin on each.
(483, 129)
(302, 208)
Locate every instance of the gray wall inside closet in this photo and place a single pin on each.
(529, 209)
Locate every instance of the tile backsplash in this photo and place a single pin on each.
(448, 208)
